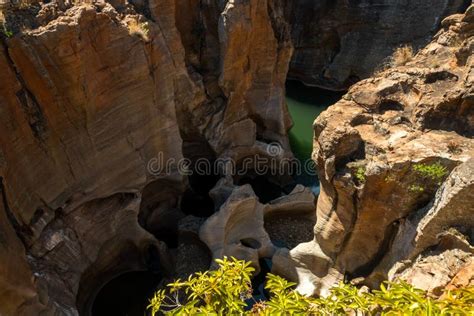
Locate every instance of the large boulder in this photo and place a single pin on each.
(382, 153)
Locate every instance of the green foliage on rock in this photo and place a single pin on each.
(360, 174)
(227, 290)
(435, 171)
(416, 188)
(6, 31)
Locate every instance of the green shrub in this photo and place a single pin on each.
(221, 291)
(226, 290)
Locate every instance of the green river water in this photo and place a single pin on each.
(305, 104)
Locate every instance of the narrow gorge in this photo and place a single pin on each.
(323, 141)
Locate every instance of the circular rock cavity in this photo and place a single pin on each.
(289, 230)
(191, 255)
(126, 294)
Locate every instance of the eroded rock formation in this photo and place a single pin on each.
(89, 96)
(382, 153)
(238, 229)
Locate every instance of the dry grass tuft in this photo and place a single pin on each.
(454, 147)
(402, 55)
(137, 28)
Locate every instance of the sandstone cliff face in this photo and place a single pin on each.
(374, 150)
(338, 43)
(88, 97)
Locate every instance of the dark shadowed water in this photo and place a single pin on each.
(305, 104)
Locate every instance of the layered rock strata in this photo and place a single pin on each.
(90, 95)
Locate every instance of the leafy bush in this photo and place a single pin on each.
(225, 292)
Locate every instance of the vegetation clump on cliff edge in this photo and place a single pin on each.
(228, 291)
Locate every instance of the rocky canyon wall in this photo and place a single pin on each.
(91, 93)
(88, 96)
(395, 160)
(338, 43)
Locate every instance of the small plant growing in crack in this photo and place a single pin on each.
(416, 188)
(6, 31)
(434, 172)
(360, 174)
(139, 28)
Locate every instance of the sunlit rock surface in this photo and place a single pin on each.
(367, 147)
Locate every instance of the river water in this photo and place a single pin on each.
(305, 104)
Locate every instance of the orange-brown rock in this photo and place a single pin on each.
(371, 149)
(463, 279)
(89, 95)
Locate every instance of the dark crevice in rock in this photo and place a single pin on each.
(258, 281)
(357, 154)
(364, 270)
(196, 200)
(29, 103)
(389, 105)
(440, 75)
(143, 7)
(265, 188)
(159, 213)
(22, 231)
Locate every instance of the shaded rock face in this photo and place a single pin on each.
(338, 43)
(374, 150)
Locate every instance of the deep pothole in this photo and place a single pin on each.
(289, 231)
(126, 294)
